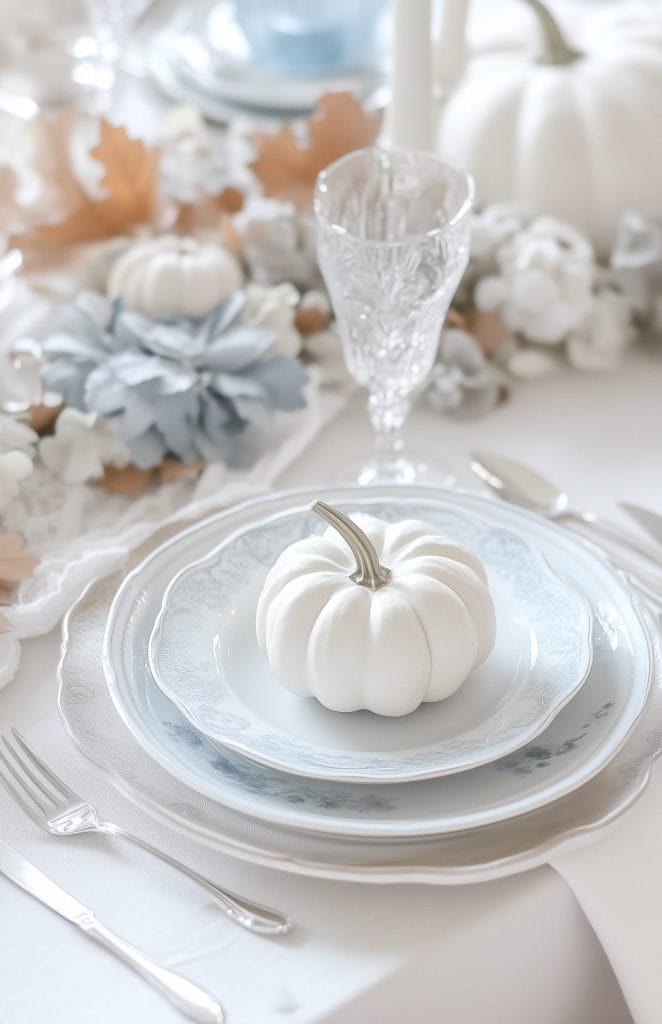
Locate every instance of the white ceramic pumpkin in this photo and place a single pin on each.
(172, 275)
(576, 134)
(337, 624)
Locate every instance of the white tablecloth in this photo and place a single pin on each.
(511, 951)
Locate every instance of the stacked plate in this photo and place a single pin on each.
(212, 66)
(552, 737)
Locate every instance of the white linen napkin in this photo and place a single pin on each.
(617, 881)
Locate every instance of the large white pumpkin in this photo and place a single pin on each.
(577, 134)
(335, 624)
(172, 275)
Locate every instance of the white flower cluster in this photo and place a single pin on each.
(543, 279)
(82, 444)
(17, 448)
(278, 243)
(198, 161)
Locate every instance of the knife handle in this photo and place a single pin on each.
(197, 1004)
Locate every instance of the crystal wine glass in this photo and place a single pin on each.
(392, 244)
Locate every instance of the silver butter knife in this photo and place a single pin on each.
(197, 1004)
(651, 521)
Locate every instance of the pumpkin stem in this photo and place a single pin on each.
(556, 49)
(368, 573)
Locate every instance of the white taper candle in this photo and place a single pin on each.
(451, 52)
(409, 122)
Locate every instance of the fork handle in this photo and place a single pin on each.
(193, 1001)
(616, 533)
(252, 916)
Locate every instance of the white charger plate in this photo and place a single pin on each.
(203, 654)
(581, 741)
(471, 856)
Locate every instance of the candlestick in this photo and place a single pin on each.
(410, 114)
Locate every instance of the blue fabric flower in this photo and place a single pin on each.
(188, 386)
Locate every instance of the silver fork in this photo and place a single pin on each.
(57, 809)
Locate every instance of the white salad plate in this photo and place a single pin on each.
(203, 654)
(473, 855)
(581, 740)
(215, 64)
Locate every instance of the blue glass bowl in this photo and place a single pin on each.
(304, 37)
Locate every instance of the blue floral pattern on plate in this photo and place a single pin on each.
(621, 674)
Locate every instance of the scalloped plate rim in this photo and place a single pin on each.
(294, 820)
(384, 774)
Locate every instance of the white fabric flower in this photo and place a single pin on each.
(324, 348)
(463, 382)
(274, 308)
(197, 160)
(278, 243)
(544, 289)
(491, 227)
(14, 467)
(24, 319)
(17, 442)
(604, 334)
(82, 446)
(530, 362)
(10, 655)
(15, 435)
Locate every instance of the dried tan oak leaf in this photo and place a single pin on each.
(173, 469)
(42, 417)
(310, 319)
(210, 211)
(15, 564)
(130, 481)
(288, 166)
(8, 204)
(488, 329)
(129, 183)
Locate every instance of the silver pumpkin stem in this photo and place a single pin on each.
(556, 49)
(368, 573)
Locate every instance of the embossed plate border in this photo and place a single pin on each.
(475, 855)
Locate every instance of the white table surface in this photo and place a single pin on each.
(507, 952)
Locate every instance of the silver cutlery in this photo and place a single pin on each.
(57, 809)
(651, 521)
(197, 1004)
(521, 485)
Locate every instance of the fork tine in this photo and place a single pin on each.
(19, 762)
(23, 785)
(16, 796)
(55, 781)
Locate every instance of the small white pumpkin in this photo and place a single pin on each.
(171, 275)
(575, 135)
(384, 639)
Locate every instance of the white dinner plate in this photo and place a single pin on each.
(469, 856)
(204, 655)
(581, 740)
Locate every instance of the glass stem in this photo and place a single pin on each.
(389, 445)
(388, 413)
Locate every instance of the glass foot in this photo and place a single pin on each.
(402, 469)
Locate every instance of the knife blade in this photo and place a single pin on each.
(14, 866)
(187, 997)
(650, 521)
